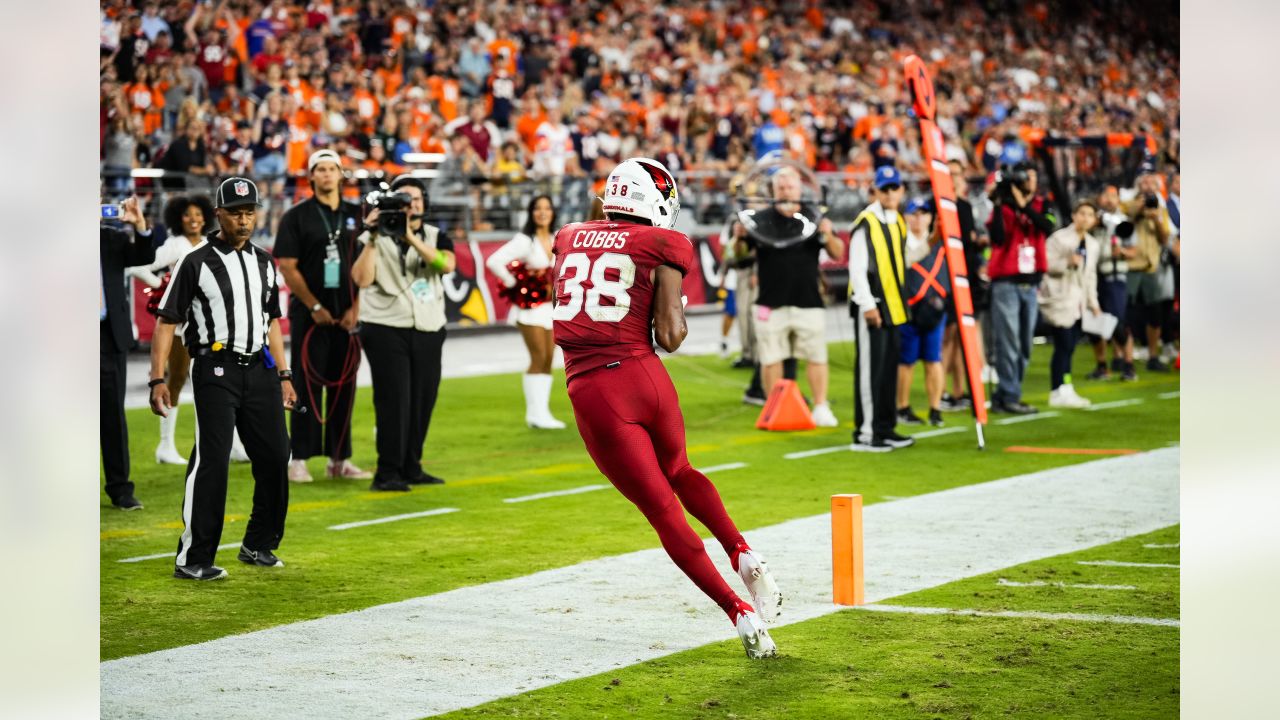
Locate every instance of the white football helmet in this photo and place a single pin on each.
(643, 188)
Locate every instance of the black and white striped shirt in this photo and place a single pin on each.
(223, 295)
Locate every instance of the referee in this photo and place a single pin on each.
(225, 291)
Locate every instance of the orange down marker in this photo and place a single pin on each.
(785, 409)
(846, 550)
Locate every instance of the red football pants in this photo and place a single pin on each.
(629, 417)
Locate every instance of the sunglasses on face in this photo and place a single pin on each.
(891, 188)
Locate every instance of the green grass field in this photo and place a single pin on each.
(881, 664)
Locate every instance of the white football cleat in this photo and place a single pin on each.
(755, 638)
(823, 417)
(765, 595)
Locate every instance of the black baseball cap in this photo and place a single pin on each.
(235, 192)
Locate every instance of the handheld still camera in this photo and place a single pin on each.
(393, 207)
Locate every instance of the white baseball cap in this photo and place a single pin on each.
(320, 156)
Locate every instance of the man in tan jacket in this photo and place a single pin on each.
(1150, 274)
(1068, 290)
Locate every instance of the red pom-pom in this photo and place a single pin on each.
(154, 295)
(532, 287)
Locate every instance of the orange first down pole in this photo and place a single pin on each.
(846, 550)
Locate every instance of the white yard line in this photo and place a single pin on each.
(457, 649)
(393, 518)
(939, 431)
(718, 468)
(1170, 395)
(172, 553)
(1114, 404)
(1026, 418)
(1068, 586)
(1123, 563)
(1157, 546)
(555, 493)
(1078, 617)
(813, 453)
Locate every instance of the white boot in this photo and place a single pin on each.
(537, 403)
(238, 455)
(167, 450)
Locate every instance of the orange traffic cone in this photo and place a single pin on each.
(785, 409)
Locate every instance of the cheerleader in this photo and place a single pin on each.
(532, 248)
(186, 217)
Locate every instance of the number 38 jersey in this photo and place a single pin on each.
(604, 289)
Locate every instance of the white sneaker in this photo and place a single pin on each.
(823, 417)
(1081, 402)
(1065, 397)
(765, 595)
(167, 454)
(298, 471)
(345, 469)
(755, 638)
(544, 422)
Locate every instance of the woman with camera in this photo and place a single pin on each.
(187, 217)
(402, 321)
(532, 249)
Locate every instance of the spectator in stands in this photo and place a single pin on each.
(189, 156)
(1068, 290)
(926, 290)
(1018, 228)
(532, 248)
(119, 155)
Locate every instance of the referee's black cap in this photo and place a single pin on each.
(236, 191)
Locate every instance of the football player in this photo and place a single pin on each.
(617, 290)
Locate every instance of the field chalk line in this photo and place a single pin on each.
(1123, 563)
(1071, 586)
(1029, 614)
(393, 518)
(1026, 418)
(555, 493)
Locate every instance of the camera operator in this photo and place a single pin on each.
(789, 309)
(316, 247)
(1020, 222)
(1151, 282)
(1115, 249)
(399, 273)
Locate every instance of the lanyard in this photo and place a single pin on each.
(330, 231)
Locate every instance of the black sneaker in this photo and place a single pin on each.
(127, 502)
(1117, 365)
(1154, 365)
(389, 485)
(743, 363)
(425, 478)
(752, 398)
(1099, 373)
(1130, 375)
(1013, 408)
(874, 445)
(950, 403)
(263, 558)
(895, 440)
(935, 417)
(907, 417)
(198, 572)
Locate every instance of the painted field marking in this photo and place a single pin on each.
(718, 468)
(895, 497)
(939, 431)
(174, 553)
(555, 493)
(1169, 395)
(1122, 563)
(1069, 451)
(1114, 404)
(1031, 614)
(1157, 546)
(393, 518)
(1026, 418)
(1071, 586)
(812, 453)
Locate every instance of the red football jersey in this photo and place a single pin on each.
(604, 289)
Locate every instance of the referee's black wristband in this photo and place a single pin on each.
(285, 374)
(153, 383)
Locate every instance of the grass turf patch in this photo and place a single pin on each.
(864, 664)
(479, 444)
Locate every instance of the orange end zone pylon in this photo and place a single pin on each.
(785, 409)
(944, 199)
(846, 550)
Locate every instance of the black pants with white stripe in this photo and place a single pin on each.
(233, 397)
(875, 379)
(405, 367)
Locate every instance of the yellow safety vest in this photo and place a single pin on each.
(892, 273)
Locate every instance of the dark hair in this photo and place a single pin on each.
(177, 207)
(1085, 203)
(529, 226)
(404, 180)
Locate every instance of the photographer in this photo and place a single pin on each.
(315, 247)
(402, 320)
(1151, 282)
(1115, 249)
(1019, 225)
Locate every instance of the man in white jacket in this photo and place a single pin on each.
(1068, 290)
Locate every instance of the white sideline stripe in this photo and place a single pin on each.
(1027, 418)
(812, 453)
(1123, 563)
(718, 468)
(453, 650)
(157, 556)
(393, 518)
(895, 497)
(939, 431)
(1114, 404)
(1031, 614)
(1071, 586)
(555, 493)
(1169, 395)
(1155, 546)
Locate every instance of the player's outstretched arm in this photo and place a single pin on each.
(669, 328)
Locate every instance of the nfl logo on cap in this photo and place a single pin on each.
(241, 188)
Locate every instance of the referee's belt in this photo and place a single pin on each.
(229, 356)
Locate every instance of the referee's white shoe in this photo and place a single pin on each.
(754, 571)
